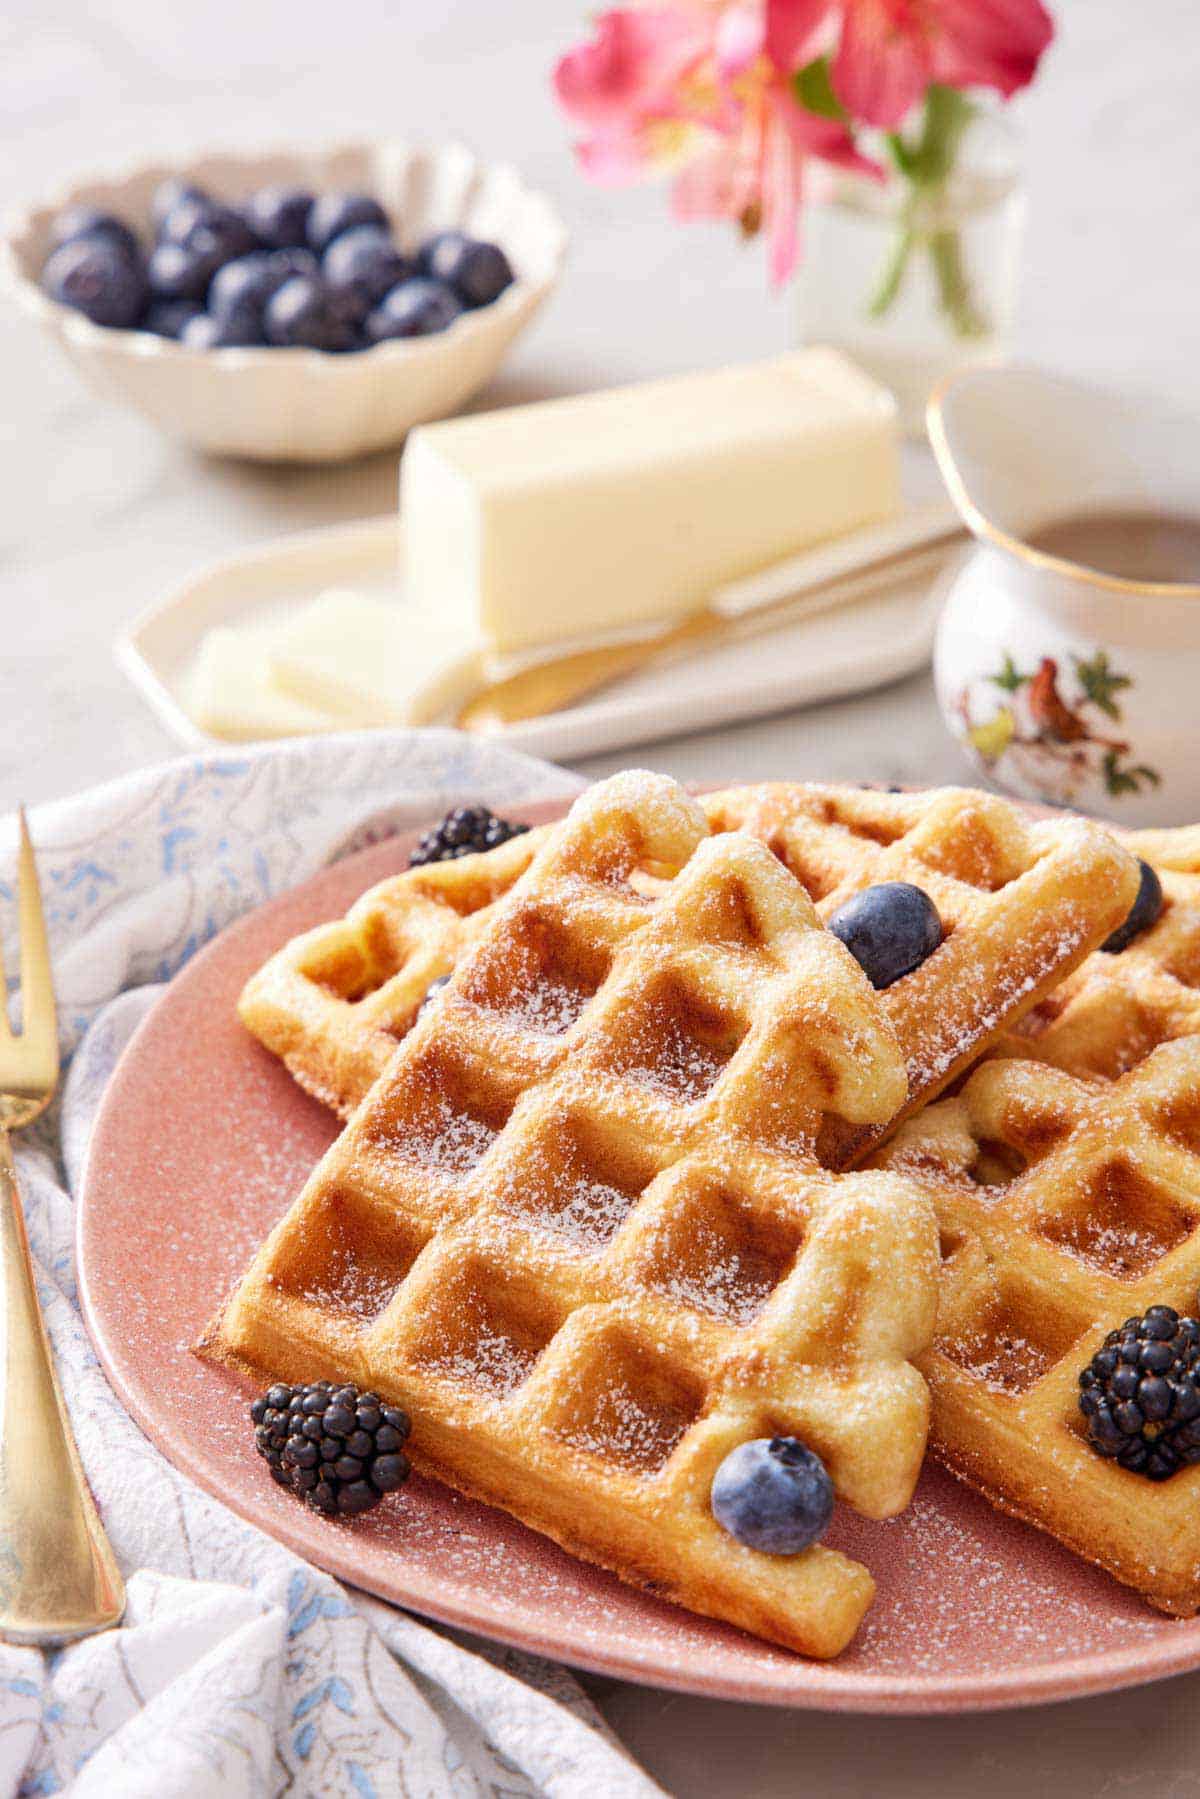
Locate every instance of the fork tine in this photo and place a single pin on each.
(38, 1013)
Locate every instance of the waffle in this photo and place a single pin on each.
(579, 1228)
(1023, 902)
(1107, 1017)
(1065, 1205)
(334, 1003)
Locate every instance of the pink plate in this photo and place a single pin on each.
(202, 1141)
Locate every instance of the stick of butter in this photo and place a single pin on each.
(616, 511)
(370, 663)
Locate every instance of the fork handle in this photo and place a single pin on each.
(58, 1577)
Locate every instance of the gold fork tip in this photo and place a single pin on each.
(39, 1033)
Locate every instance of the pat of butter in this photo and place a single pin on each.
(231, 693)
(620, 510)
(370, 663)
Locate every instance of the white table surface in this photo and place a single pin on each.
(99, 516)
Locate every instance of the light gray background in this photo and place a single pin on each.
(99, 516)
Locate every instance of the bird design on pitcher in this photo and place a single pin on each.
(1055, 723)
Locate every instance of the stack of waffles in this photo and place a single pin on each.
(597, 1217)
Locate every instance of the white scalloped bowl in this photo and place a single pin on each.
(304, 405)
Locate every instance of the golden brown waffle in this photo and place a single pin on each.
(1065, 1206)
(334, 1003)
(1115, 1009)
(1023, 902)
(579, 1227)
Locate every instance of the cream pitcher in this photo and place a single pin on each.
(1067, 660)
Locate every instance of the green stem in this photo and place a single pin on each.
(926, 163)
(895, 264)
(955, 299)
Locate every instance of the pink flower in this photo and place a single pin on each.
(625, 82)
(755, 173)
(890, 50)
(704, 87)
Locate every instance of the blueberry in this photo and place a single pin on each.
(364, 264)
(478, 272)
(249, 281)
(178, 272)
(167, 318)
(191, 209)
(279, 216)
(431, 992)
(889, 929)
(246, 281)
(416, 308)
(1145, 911)
(168, 195)
(773, 1494)
(96, 278)
(304, 312)
(332, 214)
(89, 221)
(235, 329)
(209, 226)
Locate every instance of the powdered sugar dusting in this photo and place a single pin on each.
(449, 1141)
(717, 1275)
(679, 1063)
(967, 1592)
(357, 1289)
(557, 1190)
(1121, 1247)
(1000, 1356)
(550, 1004)
(490, 1359)
(969, 1023)
(628, 1429)
(592, 1212)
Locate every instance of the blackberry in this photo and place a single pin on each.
(338, 1449)
(1140, 1394)
(464, 832)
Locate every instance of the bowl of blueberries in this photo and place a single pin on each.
(291, 307)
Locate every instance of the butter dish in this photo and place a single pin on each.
(856, 646)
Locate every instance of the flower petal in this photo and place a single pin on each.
(719, 183)
(782, 182)
(883, 64)
(738, 42)
(828, 139)
(631, 66)
(614, 159)
(989, 43)
(792, 28)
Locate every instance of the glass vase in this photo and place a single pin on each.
(915, 280)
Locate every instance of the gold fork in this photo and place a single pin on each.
(58, 1577)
